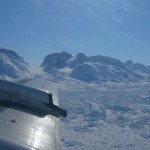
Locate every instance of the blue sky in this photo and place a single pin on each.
(117, 28)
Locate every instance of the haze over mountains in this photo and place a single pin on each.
(81, 67)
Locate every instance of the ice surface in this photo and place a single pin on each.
(107, 116)
(111, 113)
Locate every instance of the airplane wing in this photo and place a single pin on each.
(29, 115)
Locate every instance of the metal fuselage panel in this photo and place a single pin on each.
(29, 131)
(22, 125)
(45, 84)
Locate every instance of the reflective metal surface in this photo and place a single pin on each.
(23, 122)
(14, 91)
(46, 85)
(17, 94)
(29, 131)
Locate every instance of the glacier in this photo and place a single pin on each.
(108, 101)
(107, 116)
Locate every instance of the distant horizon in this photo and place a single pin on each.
(73, 55)
(35, 28)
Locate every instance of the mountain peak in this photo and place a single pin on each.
(11, 54)
(56, 60)
(80, 55)
(12, 65)
(94, 68)
(129, 63)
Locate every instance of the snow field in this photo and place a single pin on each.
(104, 118)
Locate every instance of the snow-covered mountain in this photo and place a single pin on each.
(12, 65)
(94, 68)
(105, 116)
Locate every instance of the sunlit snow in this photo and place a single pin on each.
(115, 117)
